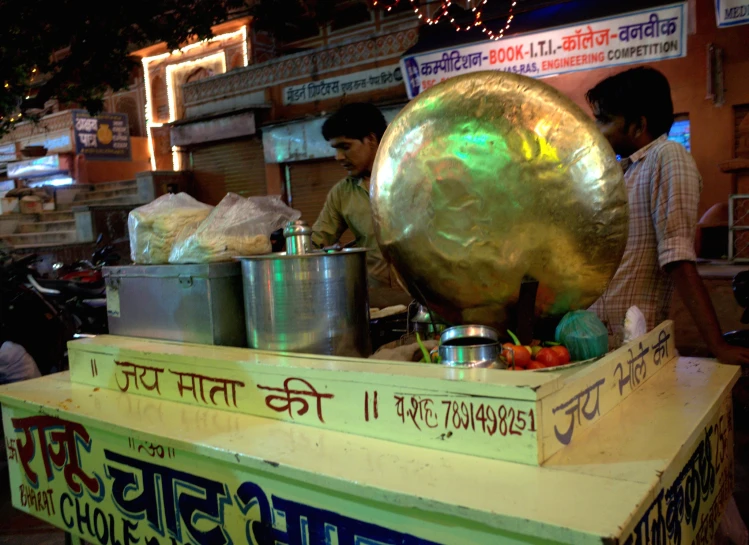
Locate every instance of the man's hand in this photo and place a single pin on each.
(697, 300)
(731, 355)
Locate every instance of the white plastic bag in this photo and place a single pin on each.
(236, 227)
(154, 227)
(635, 324)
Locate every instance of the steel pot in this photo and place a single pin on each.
(314, 303)
(472, 346)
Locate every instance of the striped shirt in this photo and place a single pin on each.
(663, 187)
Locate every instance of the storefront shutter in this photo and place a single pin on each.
(310, 183)
(231, 165)
(740, 114)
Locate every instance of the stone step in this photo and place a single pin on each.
(88, 196)
(74, 187)
(122, 199)
(46, 246)
(46, 226)
(59, 215)
(122, 184)
(49, 238)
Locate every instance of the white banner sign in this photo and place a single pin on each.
(643, 36)
(732, 12)
(358, 82)
(7, 153)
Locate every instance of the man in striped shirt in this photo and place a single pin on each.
(635, 112)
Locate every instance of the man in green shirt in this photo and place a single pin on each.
(355, 132)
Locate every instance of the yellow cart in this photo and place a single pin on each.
(163, 443)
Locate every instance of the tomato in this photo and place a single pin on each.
(536, 365)
(548, 357)
(522, 356)
(535, 350)
(563, 353)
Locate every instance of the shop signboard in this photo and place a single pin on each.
(49, 164)
(643, 36)
(105, 137)
(7, 153)
(731, 12)
(348, 84)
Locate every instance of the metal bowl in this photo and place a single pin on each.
(470, 346)
(491, 177)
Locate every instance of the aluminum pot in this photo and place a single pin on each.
(315, 303)
(472, 346)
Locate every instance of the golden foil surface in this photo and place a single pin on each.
(488, 178)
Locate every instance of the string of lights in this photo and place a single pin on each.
(18, 117)
(443, 12)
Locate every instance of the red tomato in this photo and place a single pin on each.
(522, 356)
(548, 357)
(536, 365)
(563, 353)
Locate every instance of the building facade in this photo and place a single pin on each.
(278, 105)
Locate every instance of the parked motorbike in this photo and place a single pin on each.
(740, 337)
(29, 318)
(81, 290)
(740, 285)
(89, 271)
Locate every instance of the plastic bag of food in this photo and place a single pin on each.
(154, 227)
(236, 227)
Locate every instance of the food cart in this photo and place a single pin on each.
(162, 442)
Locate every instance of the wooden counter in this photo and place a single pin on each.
(119, 468)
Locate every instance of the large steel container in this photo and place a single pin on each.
(312, 303)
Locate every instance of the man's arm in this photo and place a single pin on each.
(330, 224)
(675, 196)
(694, 294)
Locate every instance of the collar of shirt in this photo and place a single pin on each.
(642, 152)
(358, 182)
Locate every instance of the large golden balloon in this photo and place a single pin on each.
(491, 177)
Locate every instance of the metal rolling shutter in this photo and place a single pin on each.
(310, 183)
(740, 113)
(236, 166)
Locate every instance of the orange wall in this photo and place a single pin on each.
(712, 127)
(114, 171)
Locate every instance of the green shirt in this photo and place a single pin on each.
(347, 207)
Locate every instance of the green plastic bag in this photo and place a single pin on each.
(583, 334)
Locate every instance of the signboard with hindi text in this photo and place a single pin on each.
(349, 84)
(644, 36)
(105, 137)
(119, 468)
(520, 417)
(731, 12)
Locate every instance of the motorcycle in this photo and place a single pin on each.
(29, 318)
(89, 271)
(81, 290)
(740, 286)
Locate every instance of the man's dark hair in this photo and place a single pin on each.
(639, 92)
(356, 121)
